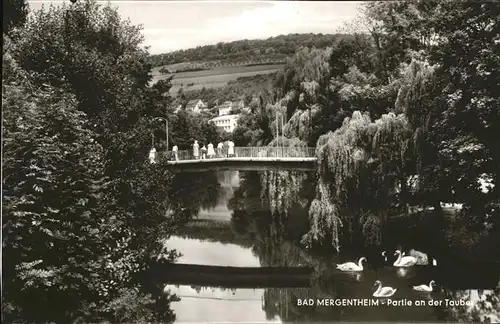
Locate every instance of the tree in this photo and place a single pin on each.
(49, 154)
(462, 115)
(95, 45)
(76, 172)
(15, 13)
(360, 165)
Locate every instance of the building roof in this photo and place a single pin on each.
(192, 103)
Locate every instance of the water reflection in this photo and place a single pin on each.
(228, 181)
(260, 235)
(194, 191)
(215, 304)
(195, 251)
(403, 272)
(219, 305)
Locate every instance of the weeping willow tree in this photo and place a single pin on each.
(301, 83)
(306, 65)
(282, 189)
(300, 124)
(324, 219)
(307, 108)
(361, 168)
(415, 101)
(392, 156)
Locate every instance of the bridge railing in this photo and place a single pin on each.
(249, 152)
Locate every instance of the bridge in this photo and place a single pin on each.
(246, 158)
(233, 277)
(300, 277)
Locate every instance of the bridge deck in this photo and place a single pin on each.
(268, 155)
(234, 277)
(245, 159)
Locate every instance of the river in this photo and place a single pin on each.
(251, 223)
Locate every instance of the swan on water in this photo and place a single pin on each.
(351, 266)
(404, 261)
(384, 254)
(383, 291)
(425, 287)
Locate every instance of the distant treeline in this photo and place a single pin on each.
(268, 50)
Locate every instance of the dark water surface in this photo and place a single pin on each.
(250, 224)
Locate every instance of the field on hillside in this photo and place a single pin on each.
(213, 78)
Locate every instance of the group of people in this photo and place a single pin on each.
(223, 150)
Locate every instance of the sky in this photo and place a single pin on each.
(173, 25)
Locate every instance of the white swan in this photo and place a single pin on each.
(384, 255)
(425, 287)
(404, 261)
(351, 266)
(383, 291)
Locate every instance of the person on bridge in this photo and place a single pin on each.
(210, 151)
(196, 150)
(230, 149)
(152, 155)
(175, 150)
(219, 149)
(203, 152)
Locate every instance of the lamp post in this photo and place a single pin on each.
(282, 136)
(277, 134)
(280, 120)
(166, 127)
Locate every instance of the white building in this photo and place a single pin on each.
(226, 122)
(228, 106)
(195, 106)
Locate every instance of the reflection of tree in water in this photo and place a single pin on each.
(483, 306)
(194, 190)
(273, 236)
(228, 181)
(252, 218)
(281, 302)
(197, 288)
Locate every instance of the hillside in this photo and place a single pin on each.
(216, 66)
(242, 88)
(243, 52)
(213, 78)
